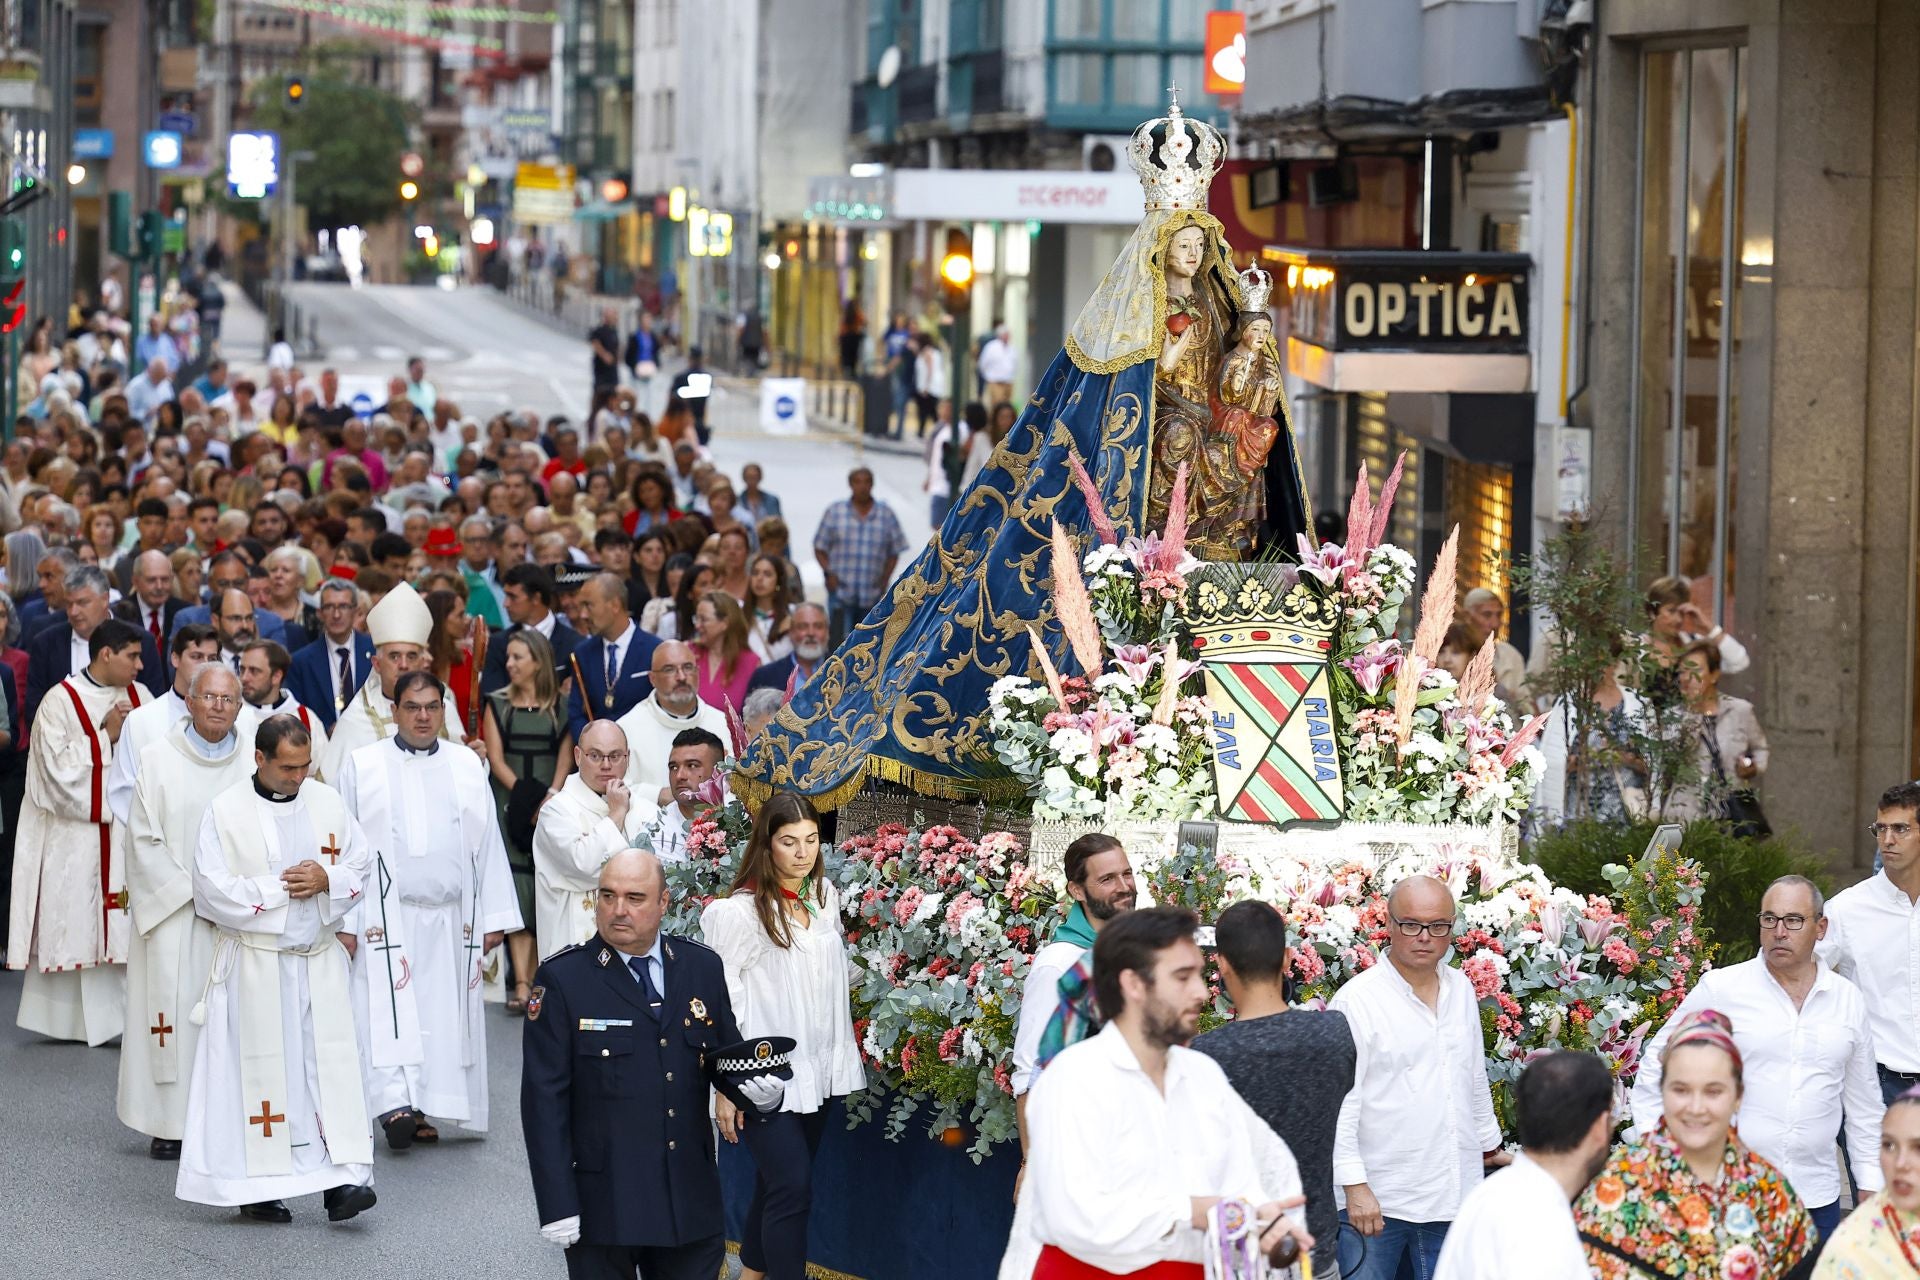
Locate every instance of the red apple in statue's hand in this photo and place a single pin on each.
(1177, 323)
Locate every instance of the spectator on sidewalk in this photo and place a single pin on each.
(997, 365)
(897, 346)
(643, 362)
(604, 341)
(947, 457)
(931, 380)
(755, 501)
(858, 544)
(691, 389)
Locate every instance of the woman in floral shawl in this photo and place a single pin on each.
(1691, 1202)
(1881, 1239)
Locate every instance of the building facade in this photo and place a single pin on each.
(1752, 325)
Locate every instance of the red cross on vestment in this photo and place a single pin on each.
(331, 849)
(160, 1028)
(266, 1119)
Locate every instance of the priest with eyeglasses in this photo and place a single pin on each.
(442, 897)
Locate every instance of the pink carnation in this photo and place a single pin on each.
(1622, 955)
(1484, 975)
(950, 1043)
(909, 903)
(960, 909)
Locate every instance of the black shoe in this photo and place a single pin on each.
(343, 1202)
(400, 1127)
(267, 1211)
(164, 1149)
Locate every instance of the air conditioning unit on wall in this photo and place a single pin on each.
(1104, 152)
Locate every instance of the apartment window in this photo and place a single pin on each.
(1693, 121)
(1078, 19)
(667, 131)
(1137, 81)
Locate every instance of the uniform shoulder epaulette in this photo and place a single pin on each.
(681, 938)
(567, 950)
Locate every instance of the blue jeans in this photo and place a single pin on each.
(1826, 1219)
(843, 615)
(1417, 1244)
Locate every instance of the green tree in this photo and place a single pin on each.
(357, 134)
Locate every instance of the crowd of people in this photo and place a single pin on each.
(1365, 1134)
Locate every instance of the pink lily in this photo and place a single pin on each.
(1596, 932)
(1136, 660)
(1552, 922)
(1328, 564)
(1373, 664)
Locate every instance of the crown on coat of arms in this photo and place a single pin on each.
(1176, 158)
(1238, 611)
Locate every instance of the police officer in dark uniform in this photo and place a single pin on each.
(618, 1062)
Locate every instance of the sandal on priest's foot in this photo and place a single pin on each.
(400, 1128)
(343, 1202)
(422, 1130)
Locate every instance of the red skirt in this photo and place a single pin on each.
(1056, 1264)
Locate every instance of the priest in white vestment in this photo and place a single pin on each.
(673, 707)
(263, 678)
(592, 818)
(277, 1105)
(1133, 1136)
(443, 897)
(192, 645)
(399, 627)
(68, 924)
(170, 950)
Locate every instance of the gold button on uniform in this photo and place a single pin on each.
(669, 1077)
(605, 1052)
(663, 1042)
(669, 1113)
(671, 1146)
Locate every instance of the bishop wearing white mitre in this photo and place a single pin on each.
(399, 627)
(69, 924)
(442, 898)
(277, 1106)
(171, 949)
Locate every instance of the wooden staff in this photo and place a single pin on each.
(477, 635)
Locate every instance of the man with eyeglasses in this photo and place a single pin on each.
(1417, 1130)
(588, 820)
(328, 672)
(170, 947)
(1873, 940)
(193, 645)
(1804, 1036)
(399, 626)
(671, 709)
(441, 899)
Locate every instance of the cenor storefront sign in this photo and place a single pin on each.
(1015, 195)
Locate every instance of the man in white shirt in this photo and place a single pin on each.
(1519, 1222)
(1100, 882)
(263, 678)
(1802, 1031)
(1137, 1137)
(588, 820)
(1873, 941)
(997, 365)
(1419, 1125)
(692, 763)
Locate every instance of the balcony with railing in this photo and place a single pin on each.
(919, 94)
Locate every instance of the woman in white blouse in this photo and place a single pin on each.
(778, 932)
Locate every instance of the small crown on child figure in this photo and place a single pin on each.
(1256, 287)
(1176, 158)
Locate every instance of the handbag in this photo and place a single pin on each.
(1740, 811)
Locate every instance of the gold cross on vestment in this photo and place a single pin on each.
(266, 1119)
(160, 1028)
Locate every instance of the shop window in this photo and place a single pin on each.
(1480, 504)
(1693, 113)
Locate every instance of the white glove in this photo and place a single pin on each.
(564, 1233)
(764, 1092)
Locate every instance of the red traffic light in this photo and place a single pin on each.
(13, 307)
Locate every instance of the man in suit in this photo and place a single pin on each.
(618, 1059)
(327, 672)
(610, 668)
(61, 649)
(152, 605)
(50, 606)
(229, 571)
(530, 597)
(807, 627)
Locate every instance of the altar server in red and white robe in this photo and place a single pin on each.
(442, 898)
(69, 914)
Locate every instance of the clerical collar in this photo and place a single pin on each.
(427, 750)
(88, 673)
(270, 796)
(211, 750)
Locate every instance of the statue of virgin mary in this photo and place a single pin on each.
(1135, 392)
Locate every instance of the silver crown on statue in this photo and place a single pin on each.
(1176, 158)
(1256, 286)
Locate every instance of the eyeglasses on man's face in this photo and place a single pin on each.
(1794, 923)
(607, 757)
(1898, 830)
(1414, 928)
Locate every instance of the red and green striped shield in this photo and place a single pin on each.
(1274, 759)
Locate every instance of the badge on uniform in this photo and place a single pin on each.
(535, 998)
(698, 1008)
(606, 957)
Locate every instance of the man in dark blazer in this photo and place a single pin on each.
(530, 596)
(617, 1060)
(316, 679)
(631, 661)
(152, 605)
(807, 628)
(51, 652)
(229, 571)
(48, 605)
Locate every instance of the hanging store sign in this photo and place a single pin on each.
(253, 165)
(1405, 320)
(1226, 74)
(543, 194)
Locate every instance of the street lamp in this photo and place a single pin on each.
(76, 174)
